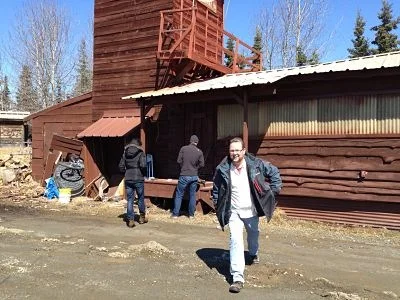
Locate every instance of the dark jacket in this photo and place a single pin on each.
(190, 159)
(265, 183)
(133, 163)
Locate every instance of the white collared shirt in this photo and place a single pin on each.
(240, 196)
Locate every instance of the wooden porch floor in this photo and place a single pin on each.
(165, 188)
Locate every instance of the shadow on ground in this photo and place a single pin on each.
(216, 258)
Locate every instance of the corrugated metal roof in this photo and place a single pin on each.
(13, 115)
(110, 127)
(115, 123)
(387, 60)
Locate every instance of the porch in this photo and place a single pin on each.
(165, 188)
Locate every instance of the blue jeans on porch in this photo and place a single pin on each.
(131, 187)
(183, 182)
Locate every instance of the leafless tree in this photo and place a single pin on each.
(289, 25)
(39, 39)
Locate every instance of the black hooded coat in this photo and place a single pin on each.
(133, 163)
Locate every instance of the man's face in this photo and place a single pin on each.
(236, 152)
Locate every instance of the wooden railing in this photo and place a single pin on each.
(185, 33)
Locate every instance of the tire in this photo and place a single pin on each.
(66, 175)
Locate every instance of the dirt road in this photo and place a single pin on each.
(55, 252)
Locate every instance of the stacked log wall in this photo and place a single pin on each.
(365, 168)
(350, 180)
(11, 133)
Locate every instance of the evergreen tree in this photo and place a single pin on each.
(301, 57)
(26, 96)
(5, 94)
(59, 93)
(83, 81)
(230, 45)
(384, 39)
(257, 44)
(360, 43)
(314, 58)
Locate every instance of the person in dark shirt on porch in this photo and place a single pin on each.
(190, 159)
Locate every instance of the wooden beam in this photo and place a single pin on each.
(245, 119)
(142, 125)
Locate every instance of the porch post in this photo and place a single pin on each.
(142, 125)
(245, 119)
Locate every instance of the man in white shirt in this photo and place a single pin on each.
(241, 194)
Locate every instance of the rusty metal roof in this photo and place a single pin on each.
(387, 60)
(110, 127)
(112, 124)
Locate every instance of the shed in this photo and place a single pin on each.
(13, 131)
(67, 119)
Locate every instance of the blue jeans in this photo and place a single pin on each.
(183, 182)
(131, 187)
(236, 246)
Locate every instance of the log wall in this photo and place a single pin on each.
(11, 133)
(350, 180)
(364, 168)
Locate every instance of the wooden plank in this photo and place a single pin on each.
(371, 142)
(58, 139)
(322, 192)
(49, 165)
(349, 175)
(337, 164)
(387, 155)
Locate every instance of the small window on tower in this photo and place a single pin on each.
(212, 4)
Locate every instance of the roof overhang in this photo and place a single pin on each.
(13, 115)
(241, 80)
(113, 124)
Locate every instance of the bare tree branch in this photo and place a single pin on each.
(40, 40)
(289, 25)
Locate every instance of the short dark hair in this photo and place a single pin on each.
(237, 140)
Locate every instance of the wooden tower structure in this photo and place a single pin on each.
(146, 45)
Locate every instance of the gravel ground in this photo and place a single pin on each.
(83, 250)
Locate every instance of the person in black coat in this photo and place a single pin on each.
(133, 165)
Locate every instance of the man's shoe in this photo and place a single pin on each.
(143, 218)
(236, 287)
(191, 217)
(131, 223)
(173, 217)
(254, 260)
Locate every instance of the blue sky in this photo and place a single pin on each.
(239, 20)
(340, 21)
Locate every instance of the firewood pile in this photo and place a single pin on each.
(16, 175)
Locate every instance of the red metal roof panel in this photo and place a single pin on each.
(110, 127)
